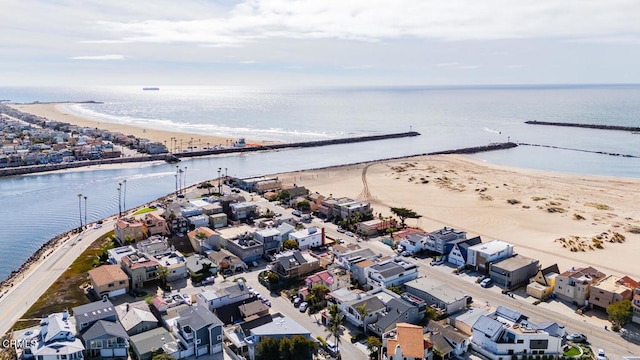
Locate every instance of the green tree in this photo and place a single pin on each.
(334, 327)
(304, 205)
(163, 273)
(395, 288)
(373, 345)
(161, 355)
(273, 279)
(302, 347)
(268, 349)
(404, 214)
(620, 313)
(431, 313)
(290, 245)
(284, 195)
(286, 349)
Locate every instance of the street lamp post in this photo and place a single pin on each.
(80, 208)
(184, 182)
(119, 200)
(124, 196)
(176, 175)
(85, 210)
(219, 187)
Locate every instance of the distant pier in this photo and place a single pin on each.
(587, 126)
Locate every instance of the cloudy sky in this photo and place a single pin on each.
(318, 42)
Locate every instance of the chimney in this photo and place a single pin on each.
(323, 237)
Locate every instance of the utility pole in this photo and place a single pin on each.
(219, 187)
(184, 183)
(176, 175)
(85, 210)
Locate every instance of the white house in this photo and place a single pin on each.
(479, 256)
(308, 238)
(55, 338)
(223, 294)
(414, 243)
(507, 332)
(395, 271)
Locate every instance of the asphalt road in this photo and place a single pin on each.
(27, 291)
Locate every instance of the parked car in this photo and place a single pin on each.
(341, 230)
(405, 253)
(296, 213)
(267, 302)
(600, 355)
(98, 226)
(340, 240)
(303, 307)
(486, 283)
(435, 262)
(349, 233)
(297, 301)
(577, 338)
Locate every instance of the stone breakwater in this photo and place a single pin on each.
(22, 170)
(587, 126)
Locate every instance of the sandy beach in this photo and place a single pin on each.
(56, 111)
(531, 209)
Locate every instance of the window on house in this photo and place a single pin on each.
(520, 341)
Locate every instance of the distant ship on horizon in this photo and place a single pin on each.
(150, 88)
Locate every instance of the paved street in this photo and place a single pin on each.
(26, 291)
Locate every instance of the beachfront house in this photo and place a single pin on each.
(308, 238)
(106, 339)
(574, 285)
(147, 344)
(445, 299)
(223, 294)
(129, 230)
(635, 303)
(396, 310)
(447, 340)
(136, 318)
(394, 271)
(612, 290)
(141, 269)
(437, 240)
(88, 314)
(459, 253)
(541, 286)
(406, 342)
(203, 239)
(199, 331)
(414, 243)
(481, 255)
(506, 333)
(513, 271)
(55, 337)
(280, 327)
(109, 280)
(294, 264)
(155, 224)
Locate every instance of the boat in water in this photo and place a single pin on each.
(150, 88)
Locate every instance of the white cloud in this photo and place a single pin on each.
(378, 20)
(98, 57)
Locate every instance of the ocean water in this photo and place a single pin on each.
(447, 118)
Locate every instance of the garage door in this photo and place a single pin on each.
(117, 292)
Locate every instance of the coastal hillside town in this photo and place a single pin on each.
(256, 269)
(26, 139)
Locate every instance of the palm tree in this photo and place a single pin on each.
(80, 208)
(363, 312)
(124, 196)
(334, 327)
